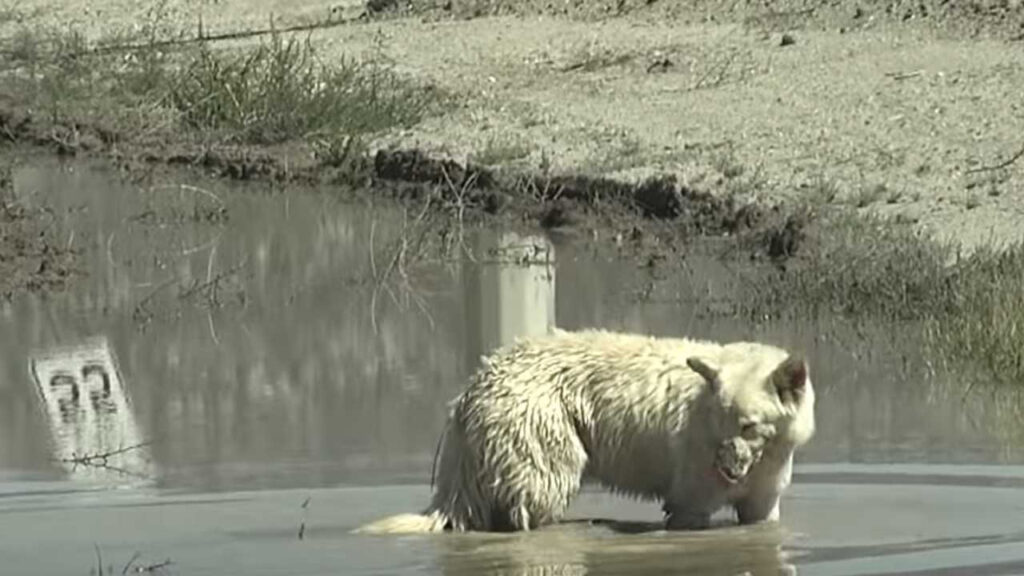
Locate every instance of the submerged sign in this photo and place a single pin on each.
(92, 426)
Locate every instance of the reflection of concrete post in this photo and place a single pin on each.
(510, 291)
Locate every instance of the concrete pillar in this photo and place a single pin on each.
(510, 291)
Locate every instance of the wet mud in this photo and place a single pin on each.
(32, 258)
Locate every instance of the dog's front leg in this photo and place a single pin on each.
(690, 502)
(766, 484)
(758, 507)
(683, 519)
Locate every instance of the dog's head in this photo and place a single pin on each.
(763, 401)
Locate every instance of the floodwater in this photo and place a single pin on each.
(257, 394)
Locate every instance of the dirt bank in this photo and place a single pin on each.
(688, 112)
(892, 118)
(893, 107)
(31, 258)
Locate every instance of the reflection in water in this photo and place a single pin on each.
(576, 549)
(247, 349)
(93, 428)
(510, 291)
(248, 345)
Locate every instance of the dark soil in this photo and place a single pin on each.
(31, 258)
(536, 200)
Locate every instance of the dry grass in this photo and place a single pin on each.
(160, 87)
(863, 267)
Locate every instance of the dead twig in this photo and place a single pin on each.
(302, 525)
(209, 263)
(213, 331)
(197, 190)
(102, 460)
(414, 241)
(202, 38)
(209, 288)
(152, 568)
(721, 68)
(141, 314)
(131, 561)
(421, 303)
(459, 193)
(1017, 156)
(397, 262)
(144, 568)
(904, 75)
(212, 243)
(373, 260)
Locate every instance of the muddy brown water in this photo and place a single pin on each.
(253, 410)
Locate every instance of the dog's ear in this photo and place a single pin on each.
(790, 379)
(707, 372)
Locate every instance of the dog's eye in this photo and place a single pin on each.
(749, 430)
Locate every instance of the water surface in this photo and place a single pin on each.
(254, 367)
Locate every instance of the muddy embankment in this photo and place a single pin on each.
(570, 204)
(32, 259)
(639, 120)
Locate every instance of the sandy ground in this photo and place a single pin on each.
(894, 114)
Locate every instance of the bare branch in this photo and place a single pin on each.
(102, 460)
(1017, 156)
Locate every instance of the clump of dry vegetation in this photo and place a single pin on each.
(160, 86)
(970, 306)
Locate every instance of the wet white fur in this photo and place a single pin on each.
(626, 410)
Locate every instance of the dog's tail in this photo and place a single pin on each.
(457, 497)
(406, 524)
(425, 523)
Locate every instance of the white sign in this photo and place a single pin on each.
(94, 432)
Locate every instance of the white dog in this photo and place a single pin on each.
(695, 424)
